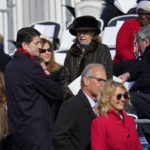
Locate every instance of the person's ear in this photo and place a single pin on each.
(24, 45)
(147, 42)
(86, 80)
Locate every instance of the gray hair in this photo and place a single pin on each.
(88, 71)
(144, 33)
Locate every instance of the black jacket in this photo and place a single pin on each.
(141, 74)
(28, 91)
(4, 59)
(72, 128)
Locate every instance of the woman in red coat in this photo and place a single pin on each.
(125, 36)
(114, 129)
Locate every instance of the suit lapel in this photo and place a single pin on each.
(87, 104)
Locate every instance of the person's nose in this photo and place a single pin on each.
(82, 34)
(47, 52)
(143, 16)
(122, 98)
(102, 83)
(39, 46)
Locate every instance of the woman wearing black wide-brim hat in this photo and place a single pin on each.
(85, 23)
(86, 49)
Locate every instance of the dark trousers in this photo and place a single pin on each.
(6, 143)
(141, 103)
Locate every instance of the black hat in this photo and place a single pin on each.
(85, 23)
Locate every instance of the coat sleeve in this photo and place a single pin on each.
(43, 84)
(136, 71)
(124, 42)
(98, 135)
(105, 59)
(136, 138)
(108, 66)
(63, 129)
(65, 75)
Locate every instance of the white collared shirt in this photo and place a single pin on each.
(91, 101)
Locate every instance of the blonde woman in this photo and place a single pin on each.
(114, 129)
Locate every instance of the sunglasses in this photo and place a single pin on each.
(119, 96)
(143, 14)
(44, 50)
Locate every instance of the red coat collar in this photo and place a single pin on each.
(116, 116)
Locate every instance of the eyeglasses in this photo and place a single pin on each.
(144, 14)
(44, 50)
(119, 96)
(98, 79)
(140, 40)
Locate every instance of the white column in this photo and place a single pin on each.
(3, 23)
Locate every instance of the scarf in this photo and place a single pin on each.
(136, 50)
(25, 52)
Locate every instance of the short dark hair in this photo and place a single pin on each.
(26, 35)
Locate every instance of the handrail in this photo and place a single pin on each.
(142, 121)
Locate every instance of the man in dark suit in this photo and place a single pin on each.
(29, 91)
(72, 128)
(4, 58)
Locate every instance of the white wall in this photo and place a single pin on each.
(3, 20)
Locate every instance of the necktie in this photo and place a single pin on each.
(96, 110)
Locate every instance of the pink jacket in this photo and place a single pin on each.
(113, 133)
(124, 41)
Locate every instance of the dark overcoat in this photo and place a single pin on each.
(4, 59)
(141, 74)
(72, 128)
(140, 91)
(29, 91)
(75, 61)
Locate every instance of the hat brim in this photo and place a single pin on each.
(74, 31)
(145, 5)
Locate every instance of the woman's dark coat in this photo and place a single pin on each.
(75, 61)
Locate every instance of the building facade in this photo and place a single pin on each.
(15, 14)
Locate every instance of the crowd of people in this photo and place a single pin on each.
(38, 111)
